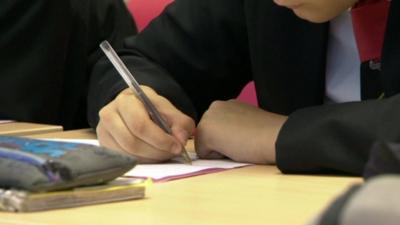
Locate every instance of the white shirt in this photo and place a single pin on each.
(342, 82)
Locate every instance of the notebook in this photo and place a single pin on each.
(174, 170)
(121, 189)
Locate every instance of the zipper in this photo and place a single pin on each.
(47, 166)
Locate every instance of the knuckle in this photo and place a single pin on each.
(166, 142)
(188, 122)
(138, 127)
(120, 100)
(148, 89)
(104, 140)
(105, 113)
(216, 104)
(99, 130)
(129, 145)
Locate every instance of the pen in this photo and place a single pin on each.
(134, 85)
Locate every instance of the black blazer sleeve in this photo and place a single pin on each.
(339, 137)
(194, 52)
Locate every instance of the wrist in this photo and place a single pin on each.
(272, 130)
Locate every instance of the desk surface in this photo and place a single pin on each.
(71, 134)
(251, 195)
(22, 128)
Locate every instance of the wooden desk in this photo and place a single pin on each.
(252, 195)
(87, 133)
(22, 129)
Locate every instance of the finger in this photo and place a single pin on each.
(111, 122)
(125, 140)
(106, 140)
(212, 155)
(182, 126)
(136, 119)
(203, 150)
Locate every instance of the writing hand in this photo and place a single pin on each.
(126, 126)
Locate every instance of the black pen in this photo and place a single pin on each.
(134, 85)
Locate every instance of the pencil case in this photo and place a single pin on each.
(42, 165)
(384, 158)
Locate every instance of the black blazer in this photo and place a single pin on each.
(201, 50)
(47, 50)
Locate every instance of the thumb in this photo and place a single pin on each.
(206, 153)
(182, 127)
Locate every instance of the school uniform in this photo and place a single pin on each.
(199, 51)
(47, 51)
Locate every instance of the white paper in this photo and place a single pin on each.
(81, 141)
(173, 171)
(6, 121)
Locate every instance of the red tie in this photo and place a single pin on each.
(369, 23)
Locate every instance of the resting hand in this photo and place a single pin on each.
(126, 126)
(238, 131)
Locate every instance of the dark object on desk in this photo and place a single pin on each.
(384, 159)
(41, 165)
(375, 202)
(121, 189)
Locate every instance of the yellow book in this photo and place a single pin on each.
(121, 189)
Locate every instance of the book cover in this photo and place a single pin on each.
(121, 189)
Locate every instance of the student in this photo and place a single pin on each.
(48, 49)
(315, 114)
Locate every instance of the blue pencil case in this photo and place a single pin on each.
(41, 165)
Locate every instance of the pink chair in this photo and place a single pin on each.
(145, 10)
(248, 94)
